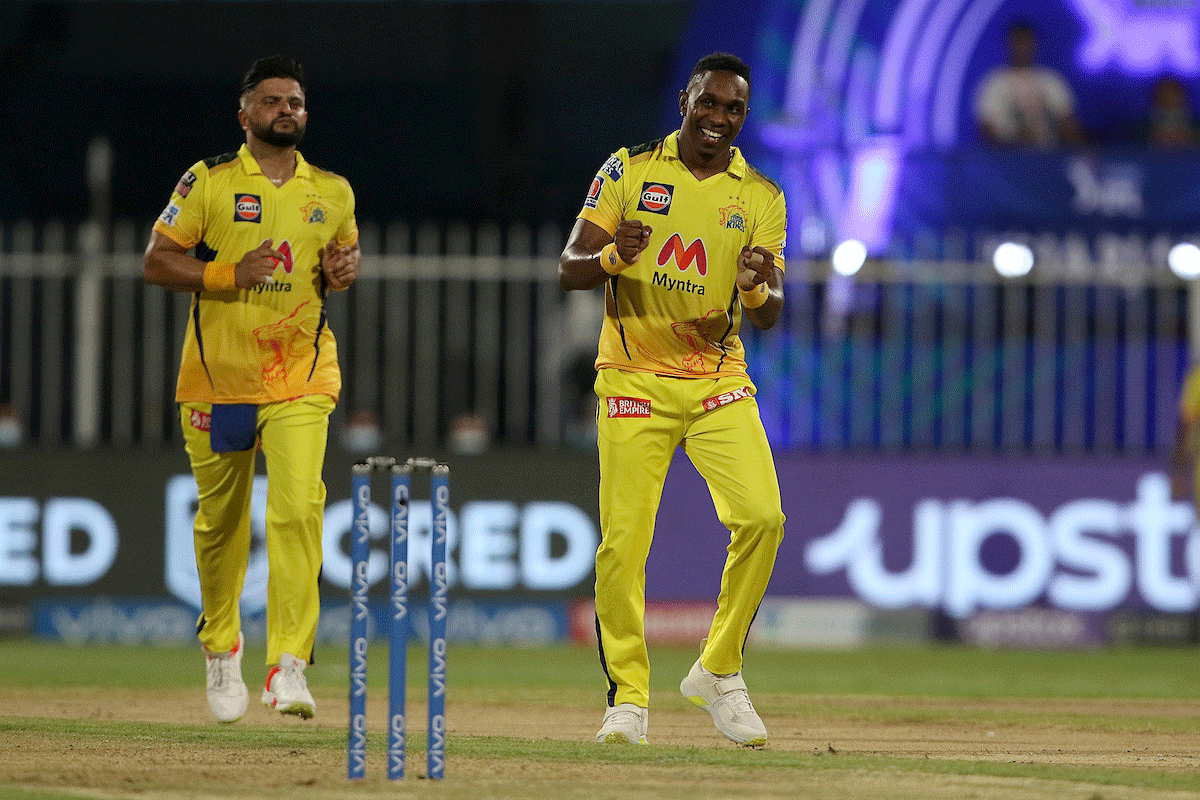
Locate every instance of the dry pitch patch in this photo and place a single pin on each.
(820, 731)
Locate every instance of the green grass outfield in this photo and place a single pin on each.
(935, 688)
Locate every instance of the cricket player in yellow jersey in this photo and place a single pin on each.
(1185, 477)
(687, 239)
(258, 237)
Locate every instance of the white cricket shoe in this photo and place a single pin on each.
(624, 723)
(227, 694)
(726, 699)
(286, 690)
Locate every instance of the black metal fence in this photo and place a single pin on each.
(448, 322)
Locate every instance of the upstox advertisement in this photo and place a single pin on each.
(956, 535)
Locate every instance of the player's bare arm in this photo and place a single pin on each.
(580, 265)
(340, 264)
(168, 264)
(757, 268)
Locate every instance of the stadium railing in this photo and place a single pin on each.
(448, 319)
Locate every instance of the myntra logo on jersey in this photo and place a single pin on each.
(684, 257)
(247, 208)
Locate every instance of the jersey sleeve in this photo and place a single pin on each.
(605, 201)
(770, 230)
(347, 232)
(182, 220)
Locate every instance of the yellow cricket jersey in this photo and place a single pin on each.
(676, 311)
(1189, 405)
(269, 343)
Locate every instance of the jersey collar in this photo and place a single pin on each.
(303, 170)
(737, 162)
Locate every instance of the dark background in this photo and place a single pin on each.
(453, 111)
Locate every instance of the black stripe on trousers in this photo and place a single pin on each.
(612, 686)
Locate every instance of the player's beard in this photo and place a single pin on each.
(278, 138)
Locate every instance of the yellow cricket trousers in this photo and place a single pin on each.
(642, 418)
(293, 435)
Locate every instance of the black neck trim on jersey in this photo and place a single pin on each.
(224, 158)
(638, 149)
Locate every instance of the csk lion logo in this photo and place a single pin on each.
(733, 217)
(313, 212)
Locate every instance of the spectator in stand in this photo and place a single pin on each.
(1025, 104)
(12, 431)
(1171, 122)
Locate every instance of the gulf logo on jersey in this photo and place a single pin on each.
(656, 198)
(247, 208)
(684, 256)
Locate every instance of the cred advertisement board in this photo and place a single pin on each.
(120, 524)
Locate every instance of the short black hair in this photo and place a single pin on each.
(277, 66)
(1022, 26)
(721, 62)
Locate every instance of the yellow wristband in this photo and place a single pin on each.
(755, 297)
(611, 261)
(219, 276)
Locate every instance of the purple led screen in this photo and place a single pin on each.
(956, 534)
(865, 114)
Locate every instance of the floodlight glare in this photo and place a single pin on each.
(849, 256)
(1012, 260)
(1184, 260)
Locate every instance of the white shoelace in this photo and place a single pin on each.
(220, 672)
(737, 700)
(292, 680)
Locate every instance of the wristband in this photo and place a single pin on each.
(755, 297)
(219, 276)
(611, 261)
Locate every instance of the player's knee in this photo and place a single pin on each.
(767, 512)
(772, 525)
(765, 521)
